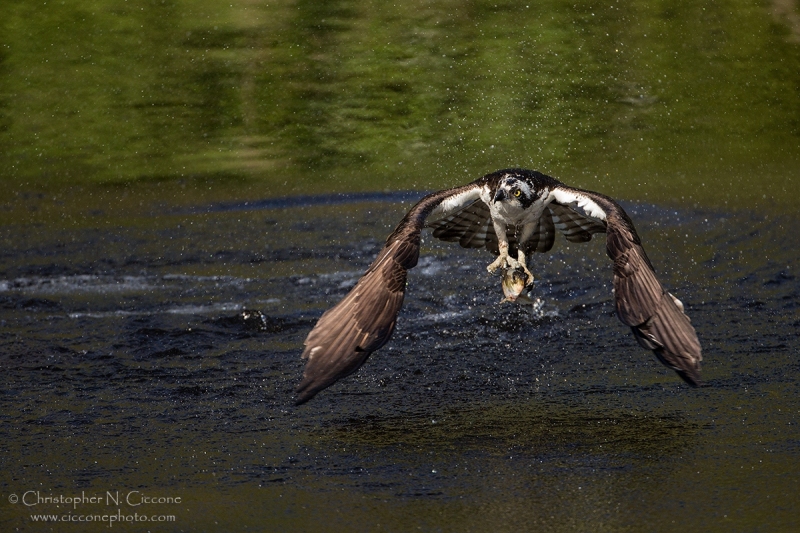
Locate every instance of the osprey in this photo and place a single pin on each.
(512, 213)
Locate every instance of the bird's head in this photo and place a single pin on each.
(514, 191)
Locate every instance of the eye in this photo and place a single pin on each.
(517, 193)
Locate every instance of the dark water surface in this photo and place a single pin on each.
(129, 364)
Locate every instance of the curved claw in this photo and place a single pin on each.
(513, 263)
(530, 275)
(500, 262)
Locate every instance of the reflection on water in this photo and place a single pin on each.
(642, 100)
(134, 359)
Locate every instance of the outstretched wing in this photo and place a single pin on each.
(470, 225)
(656, 317)
(364, 320)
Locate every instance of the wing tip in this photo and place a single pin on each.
(303, 398)
(307, 389)
(692, 378)
(688, 371)
(691, 375)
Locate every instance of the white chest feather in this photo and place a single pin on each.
(513, 213)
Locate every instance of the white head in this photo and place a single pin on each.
(514, 191)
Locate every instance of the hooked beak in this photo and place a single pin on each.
(500, 195)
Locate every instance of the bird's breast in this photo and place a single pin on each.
(517, 215)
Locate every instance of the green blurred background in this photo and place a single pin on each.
(187, 101)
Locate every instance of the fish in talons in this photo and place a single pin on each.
(514, 282)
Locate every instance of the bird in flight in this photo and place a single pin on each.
(512, 213)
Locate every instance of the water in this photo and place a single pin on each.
(188, 185)
(647, 102)
(128, 366)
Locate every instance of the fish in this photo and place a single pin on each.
(514, 282)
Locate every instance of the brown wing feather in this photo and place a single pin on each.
(655, 316)
(470, 226)
(364, 320)
(575, 226)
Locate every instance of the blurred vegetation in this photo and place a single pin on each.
(675, 102)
